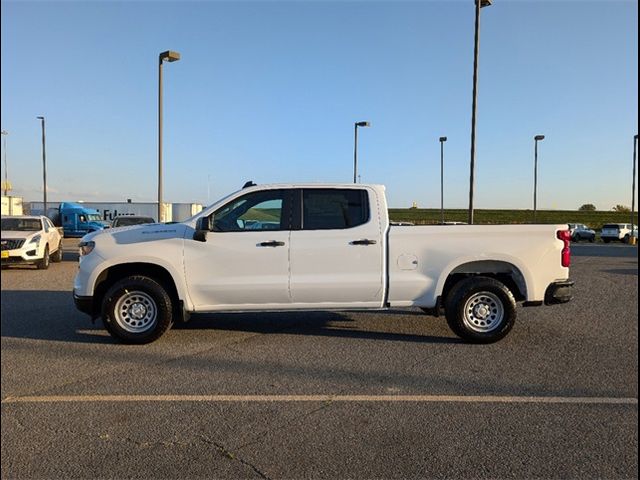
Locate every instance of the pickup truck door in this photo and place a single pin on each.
(336, 249)
(244, 264)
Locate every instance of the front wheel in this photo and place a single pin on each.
(137, 309)
(480, 310)
(57, 257)
(43, 263)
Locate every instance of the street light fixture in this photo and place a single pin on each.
(169, 56)
(6, 177)
(479, 4)
(44, 167)
(537, 139)
(442, 140)
(633, 239)
(355, 148)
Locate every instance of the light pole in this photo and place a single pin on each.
(169, 56)
(355, 148)
(479, 4)
(6, 177)
(537, 138)
(44, 167)
(633, 239)
(442, 140)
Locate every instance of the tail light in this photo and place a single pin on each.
(565, 236)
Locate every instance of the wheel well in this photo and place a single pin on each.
(111, 275)
(504, 272)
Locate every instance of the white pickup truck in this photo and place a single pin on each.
(30, 240)
(317, 247)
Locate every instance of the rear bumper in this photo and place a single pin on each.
(559, 292)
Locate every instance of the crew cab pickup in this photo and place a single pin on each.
(317, 247)
(30, 240)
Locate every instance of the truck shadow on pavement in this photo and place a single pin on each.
(321, 323)
(52, 316)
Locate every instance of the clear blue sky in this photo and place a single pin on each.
(269, 91)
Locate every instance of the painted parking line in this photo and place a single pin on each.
(321, 398)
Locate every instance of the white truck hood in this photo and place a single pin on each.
(137, 234)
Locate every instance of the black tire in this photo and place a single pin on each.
(626, 238)
(493, 302)
(137, 309)
(57, 257)
(43, 264)
(606, 240)
(592, 238)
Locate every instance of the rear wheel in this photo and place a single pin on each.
(592, 238)
(43, 263)
(137, 309)
(626, 238)
(606, 240)
(480, 310)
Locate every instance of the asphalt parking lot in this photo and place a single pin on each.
(324, 395)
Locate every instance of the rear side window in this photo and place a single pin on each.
(611, 226)
(333, 209)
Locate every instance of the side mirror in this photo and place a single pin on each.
(203, 227)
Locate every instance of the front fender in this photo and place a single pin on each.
(93, 268)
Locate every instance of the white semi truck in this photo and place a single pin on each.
(312, 247)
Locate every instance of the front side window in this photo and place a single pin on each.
(256, 211)
(332, 209)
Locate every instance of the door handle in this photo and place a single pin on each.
(272, 243)
(363, 242)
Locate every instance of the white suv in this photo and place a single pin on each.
(617, 232)
(30, 240)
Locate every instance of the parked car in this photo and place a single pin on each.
(318, 247)
(128, 220)
(618, 232)
(30, 240)
(581, 232)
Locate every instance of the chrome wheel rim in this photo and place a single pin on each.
(483, 312)
(136, 312)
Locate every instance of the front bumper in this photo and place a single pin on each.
(559, 292)
(29, 254)
(84, 304)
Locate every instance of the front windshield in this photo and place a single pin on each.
(222, 200)
(93, 217)
(21, 224)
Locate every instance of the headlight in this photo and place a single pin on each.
(86, 247)
(36, 239)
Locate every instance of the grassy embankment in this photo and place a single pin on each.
(426, 216)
